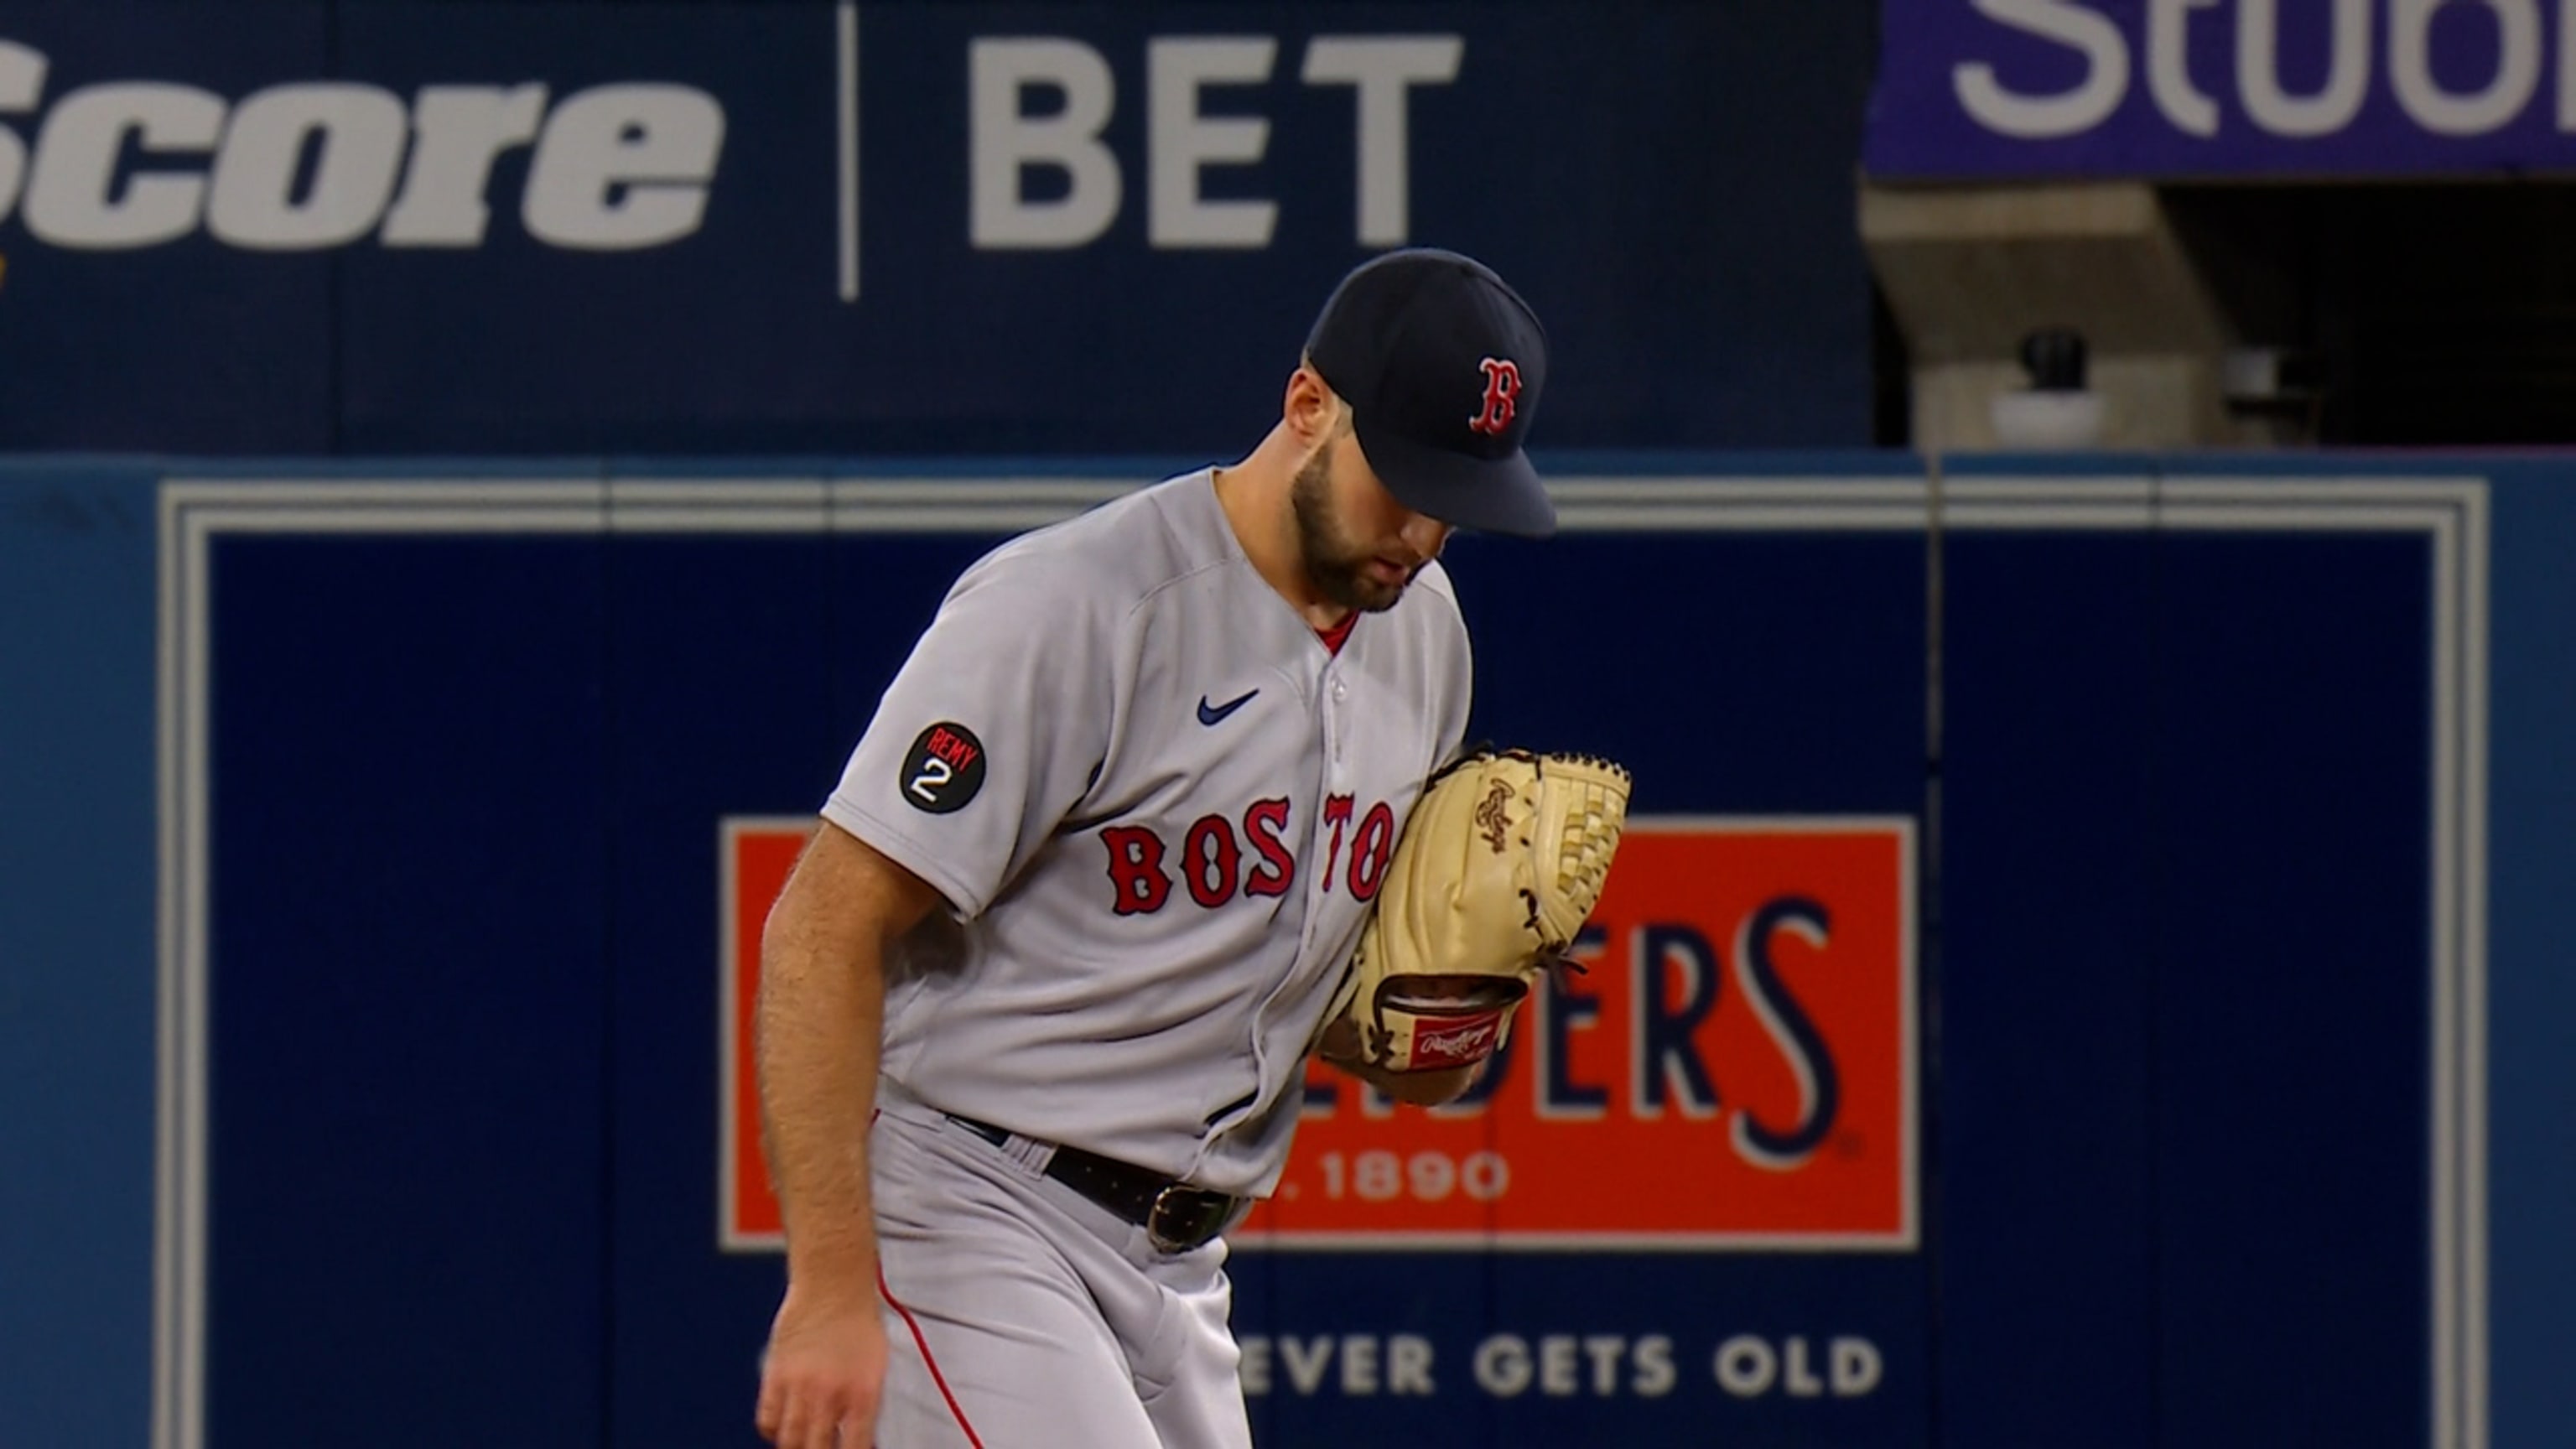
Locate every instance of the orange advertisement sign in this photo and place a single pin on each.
(1733, 1068)
(755, 855)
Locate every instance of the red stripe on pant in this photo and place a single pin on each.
(936, 1377)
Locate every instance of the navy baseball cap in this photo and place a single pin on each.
(1441, 364)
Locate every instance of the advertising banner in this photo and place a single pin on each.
(1730, 1067)
(406, 227)
(1872, 1116)
(2223, 88)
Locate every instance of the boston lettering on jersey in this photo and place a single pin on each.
(1216, 858)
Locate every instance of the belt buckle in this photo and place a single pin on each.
(1172, 1225)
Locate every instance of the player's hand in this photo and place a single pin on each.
(826, 1367)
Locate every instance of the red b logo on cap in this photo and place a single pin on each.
(1502, 384)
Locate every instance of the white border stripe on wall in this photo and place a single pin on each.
(2450, 514)
(845, 37)
(2471, 1165)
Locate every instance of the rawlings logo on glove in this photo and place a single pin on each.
(1502, 859)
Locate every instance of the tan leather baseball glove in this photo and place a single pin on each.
(1502, 859)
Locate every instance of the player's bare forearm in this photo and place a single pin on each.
(819, 1017)
(818, 1024)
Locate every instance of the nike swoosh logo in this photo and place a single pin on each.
(1215, 713)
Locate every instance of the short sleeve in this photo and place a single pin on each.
(991, 732)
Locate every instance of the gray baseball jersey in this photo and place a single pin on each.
(1158, 804)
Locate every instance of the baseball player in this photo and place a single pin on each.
(1037, 1000)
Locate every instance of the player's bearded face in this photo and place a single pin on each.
(1351, 572)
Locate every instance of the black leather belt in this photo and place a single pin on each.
(1174, 1215)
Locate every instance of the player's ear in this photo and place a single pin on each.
(1311, 410)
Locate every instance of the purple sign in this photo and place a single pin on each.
(2181, 88)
